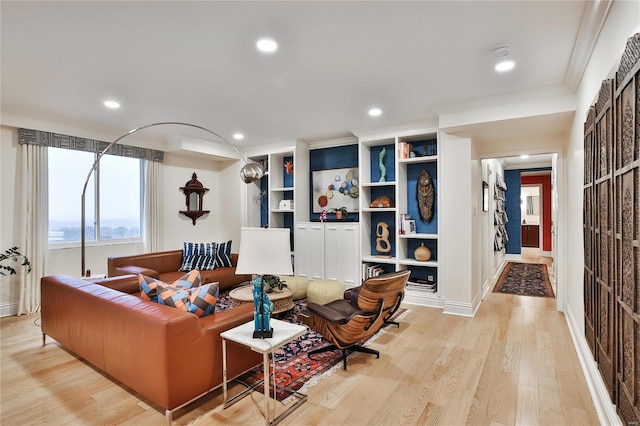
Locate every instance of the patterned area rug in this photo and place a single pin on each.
(295, 369)
(524, 279)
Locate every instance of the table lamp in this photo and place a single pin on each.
(263, 252)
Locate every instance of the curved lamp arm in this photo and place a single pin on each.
(249, 173)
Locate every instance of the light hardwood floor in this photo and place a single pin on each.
(514, 363)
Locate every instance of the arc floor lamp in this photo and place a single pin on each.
(251, 172)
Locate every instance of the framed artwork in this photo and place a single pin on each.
(335, 188)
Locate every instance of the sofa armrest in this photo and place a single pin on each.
(136, 270)
(124, 283)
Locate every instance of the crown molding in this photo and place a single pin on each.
(593, 19)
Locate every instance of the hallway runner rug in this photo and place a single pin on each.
(524, 279)
(295, 370)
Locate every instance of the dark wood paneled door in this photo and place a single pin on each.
(603, 222)
(627, 208)
(612, 233)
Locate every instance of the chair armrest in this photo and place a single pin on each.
(136, 270)
(352, 294)
(326, 313)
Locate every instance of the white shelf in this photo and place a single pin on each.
(374, 259)
(419, 236)
(424, 159)
(286, 189)
(378, 209)
(281, 211)
(413, 262)
(377, 184)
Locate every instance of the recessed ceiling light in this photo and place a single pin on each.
(112, 104)
(505, 63)
(374, 112)
(238, 136)
(267, 45)
(524, 156)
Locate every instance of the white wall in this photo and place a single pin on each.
(459, 227)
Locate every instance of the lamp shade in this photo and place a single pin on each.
(264, 252)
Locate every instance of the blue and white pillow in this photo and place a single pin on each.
(223, 255)
(198, 256)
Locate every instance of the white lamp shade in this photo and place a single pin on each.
(264, 252)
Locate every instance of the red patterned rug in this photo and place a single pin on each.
(295, 370)
(524, 279)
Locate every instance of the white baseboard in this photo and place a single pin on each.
(605, 409)
(460, 309)
(485, 289)
(8, 309)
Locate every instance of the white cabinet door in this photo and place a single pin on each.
(310, 250)
(342, 253)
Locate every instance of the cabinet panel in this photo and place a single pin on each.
(342, 252)
(310, 250)
(530, 236)
(328, 251)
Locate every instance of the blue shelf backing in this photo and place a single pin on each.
(389, 218)
(331, 158)
(389, 163)
(287, 180)
(413, 172)
(264, 201)
(424, 148)
(423, 273)
(413, 244)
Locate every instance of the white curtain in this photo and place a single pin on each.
(151, 206)
(34, 227)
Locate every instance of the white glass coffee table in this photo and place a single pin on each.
(283, 332)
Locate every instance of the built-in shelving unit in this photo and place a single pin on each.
(500, 215)
(403, 167)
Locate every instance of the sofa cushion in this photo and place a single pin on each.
(198, 256)
(198, 300)
(149, 286)
(223, 255)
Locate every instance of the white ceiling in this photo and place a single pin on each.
(196, 62)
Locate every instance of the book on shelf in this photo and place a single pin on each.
(423, 285)
(404, 149)
(370, 270)
(407, 225)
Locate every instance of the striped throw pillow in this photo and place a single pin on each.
(200, 256)
(223, 255)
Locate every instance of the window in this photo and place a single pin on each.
(112, 208)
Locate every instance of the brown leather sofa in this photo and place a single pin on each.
(170, 357)
(165, 266)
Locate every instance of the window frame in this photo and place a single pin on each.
(97, 242)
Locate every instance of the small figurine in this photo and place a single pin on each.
(289, 167)
(263, 306)
(383, 170)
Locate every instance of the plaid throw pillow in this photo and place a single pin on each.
(200, 301)
(149, 286)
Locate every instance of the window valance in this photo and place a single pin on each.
(57, 140)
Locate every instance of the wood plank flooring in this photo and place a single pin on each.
(513, 364)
